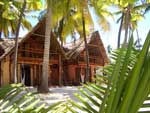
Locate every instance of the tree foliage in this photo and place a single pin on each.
(9, 14)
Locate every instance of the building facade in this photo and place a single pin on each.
(67, 63)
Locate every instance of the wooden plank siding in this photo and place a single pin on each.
(65, 63)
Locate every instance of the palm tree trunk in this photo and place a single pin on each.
(16, 43)
(60, 29)
(86, 48)
(45, 69)
(127, 14)
(60, 70)
(138, 39)
(120, 28)
(0, 35)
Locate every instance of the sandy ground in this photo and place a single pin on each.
(62, 94)
(57, 94)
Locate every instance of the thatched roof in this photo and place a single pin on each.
(71, 50)
(11, 42)
(7, 45)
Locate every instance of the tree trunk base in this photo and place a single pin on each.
(43, 90)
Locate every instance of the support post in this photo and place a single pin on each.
(60, 71)
(31, 73)
(19, 73)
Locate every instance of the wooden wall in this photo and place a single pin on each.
(71, 73)
(5, 73)
(32, 54)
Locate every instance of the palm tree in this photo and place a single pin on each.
(16, 42)
(131, 14)
(101, 10)
(85, 20)
(127, 20)
(55, 10)
(85, 41)
(58, 30)
(81, 21)
(17, 33)
(70, 19)
(69, 24)
(120, 28)
(9, 12)
(43, 88)
(81, 7)
(137, 43)
(86, 49)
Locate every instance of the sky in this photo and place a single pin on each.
(108, 37)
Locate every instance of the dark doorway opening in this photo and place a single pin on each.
(25, 74)
(54, 77)
(90, 76)
(81, 75)
(78, 80)
(0, 76)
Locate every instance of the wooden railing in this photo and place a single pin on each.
(92, 59)
(30, 60)
(34, 50)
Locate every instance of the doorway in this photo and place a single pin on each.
(0, 79)
(81, 74)
(25, 74)
(78, 79)
(54, 75)
(0, 75)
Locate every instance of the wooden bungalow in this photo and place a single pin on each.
(66, 63)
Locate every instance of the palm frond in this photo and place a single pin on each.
(16, 98)
(124, 86)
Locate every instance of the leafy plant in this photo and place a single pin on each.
(16, 98)
(123, 89)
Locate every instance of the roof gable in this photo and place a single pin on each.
(73, 50)
(69, 51)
